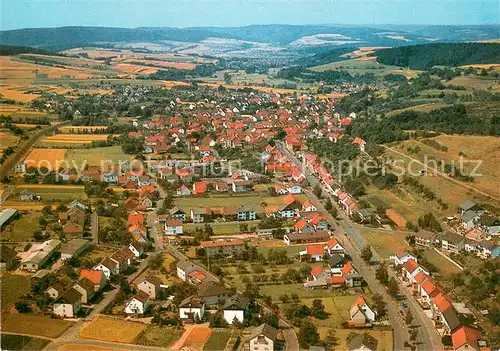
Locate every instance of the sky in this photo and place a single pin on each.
(190, 13)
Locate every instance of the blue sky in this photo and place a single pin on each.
(188, 13)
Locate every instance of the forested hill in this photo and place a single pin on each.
(424, 57)
(6, 50)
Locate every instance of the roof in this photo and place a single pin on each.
(5, 215)
(467, 205)
(236, 302)
(335, 260)
(366, 340)
(222, 243)
(192, 302)
(425, 234)
(332, 243)
(315, 250)
(442, 302)
(211, 289)
(45, 249)
(141, 296)
(73, 246)
(465, 335)
(264, 329)
(452, 237)
(451, 318)
(86, 284)
(338, 280)
(410, 265)
(316, 270)
(153, 279)
(71, 296)
(93, 275)
(318, 235)
(347, 268)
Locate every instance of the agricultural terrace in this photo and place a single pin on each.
(94, 156)
(22, 229)
(450, 148)
(71, 139)
(12, 288)
(31, 324)
(45, 158)
(114, 330)
(259, 201)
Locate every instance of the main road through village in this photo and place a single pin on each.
(428, 338)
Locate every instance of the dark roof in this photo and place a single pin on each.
(192, 301)
(86, 284)
(425, 234)
(335, 260)
(7, 254)
(264, 329)
(176, 210)
(487, 220)
(141, 296)
(71, 296)
(237, 302)
(58, 287)
(365, 340)
(452, 237)
(153, 279)
(212, 289)
(451, 318)
(318, 235)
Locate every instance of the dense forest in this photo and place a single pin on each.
(323, 58)
(6, 50)
(329, 77)
(426, 56)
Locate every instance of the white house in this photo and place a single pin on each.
(184, 268)
(138, 303)
(136, 249)
(68, 304)
(108, 267)
(401, 257)
(191, 307)
(262, 338)
(308, 206)
(410, 270)
(315, 252)
(173, 227)
(151, 285)
(294, 189)
(235, 308)
(333, 247)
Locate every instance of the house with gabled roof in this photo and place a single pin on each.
(361, 314)
(466, 338)
(183, 191)
(151, 285)
(192, 308)
(262, 338)
(302, 226)
(68, 305)
(97, 277)
(177, 213)
(86, 288)
(108, 267)
(314, 252)
(333, 247)
(138, 303)
(410, 269)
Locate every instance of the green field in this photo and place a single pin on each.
(444, 266)
(13, 287)
(159, 336)
(217, 341)
(221, 228)
(96, 155)
(385, 243)
(22, 342)
(22, 229)
(355, 66)
(56, 192)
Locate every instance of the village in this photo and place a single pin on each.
(222, 229)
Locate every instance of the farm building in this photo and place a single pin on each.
(40, 255)
(306, 238)
(73, 247)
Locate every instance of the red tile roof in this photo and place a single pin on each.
(442, 302)
(410, 265)
(315, 250)
(465, 335)
(338, 280)
(92, 275)
(316, 270)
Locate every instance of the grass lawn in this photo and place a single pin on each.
(56, 192)
(12, 287)
(96, 155)
(22, 229)
(187, 203)
(22, 342)
(402, 204)
(444, 266)
(159, 336)
(217, 341)
(34, 324)
(114, 330)
(221, 228)
(337, 306)
(383, 337)
(385, 243)
(291, 251)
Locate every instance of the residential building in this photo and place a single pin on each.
(235, 307)
(363, 342)
(361, 314)
(333, 247)
(466, 339)
(138, 303)
(200, 214)
(108, 267)
(213, 293)
(184, 268)
(173, 227)
(55, 291)
(246, 213)
(151, 285)
(452, 242)
(306, 238)
(262, 338)
(97, 277)
(314, 252)
(425, 238)
(86, 288)
(72, 248)
(222, 247)
(68, 305)
(192, 308)
(178, 214)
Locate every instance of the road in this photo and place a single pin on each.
(443, 175)
(152, 220)
(428, 338)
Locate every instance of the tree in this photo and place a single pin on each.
(155, 261)
(408, 317)
(308, 334)
(227, 78)
(330, 339)
(379, 305)
(381, 274)
(328, 205)
(317, 190)
(366, 254)
(318, 309)
(285, 298)
(393, 287)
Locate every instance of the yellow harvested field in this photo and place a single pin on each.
(46, 157)
(82, 347)
(23, 323)
(11, 92)
(168, 84)
(7, 139)
(75, 129)
(137, 69)
(23, 205)
(8, 109)
(114, 330)
(75, 138)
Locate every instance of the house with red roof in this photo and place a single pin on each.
(173, 227)
(97, 277)
(303, 227)
(135, 218)
(333, 247)
(183, 191)
(361, 314)
(466, 339)
(410, 269)
(200, 188)
(308, 206)
(360, 144)
(315, 253)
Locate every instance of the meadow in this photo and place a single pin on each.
(12, 287)
(34, 325)
(94, 156)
